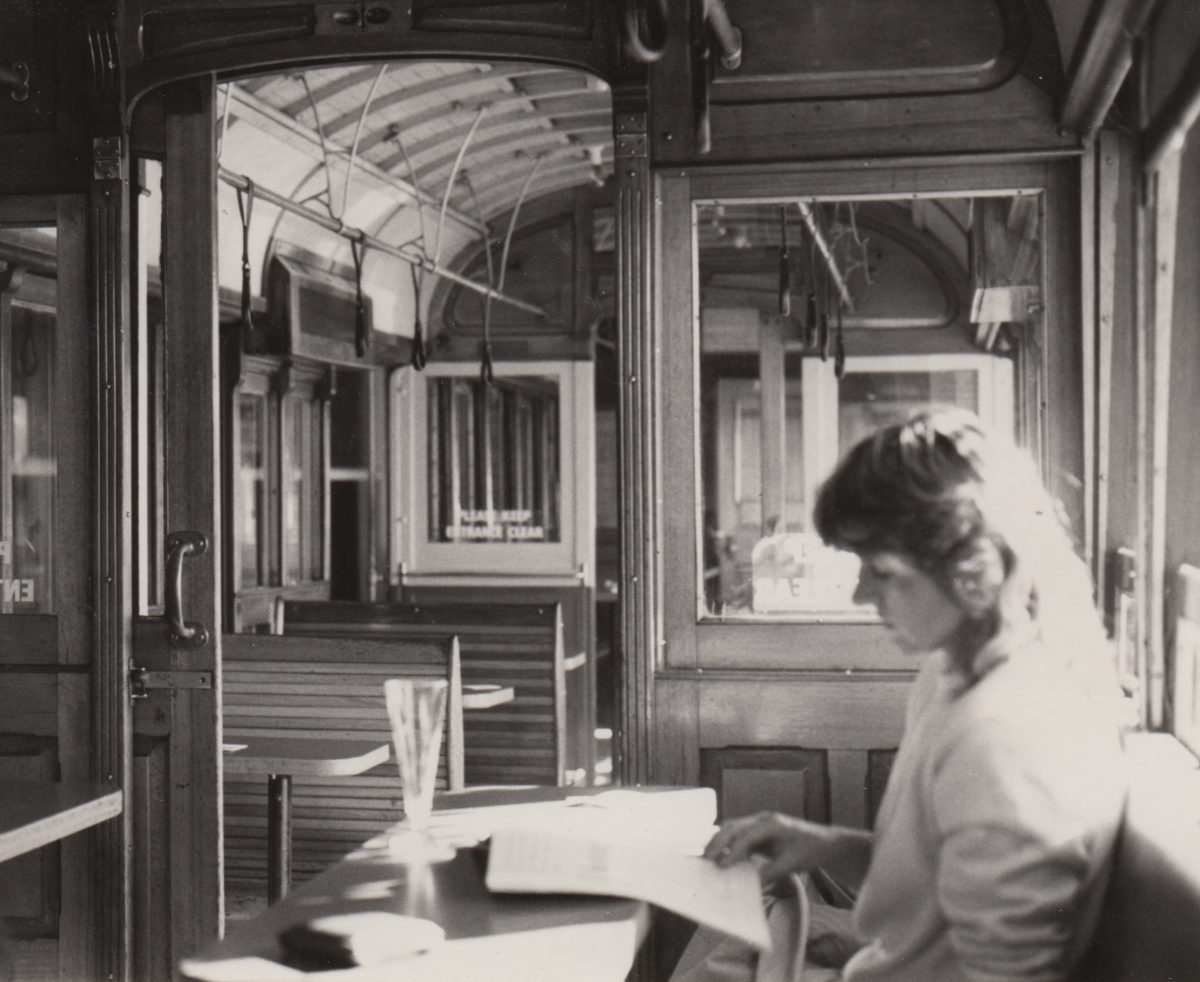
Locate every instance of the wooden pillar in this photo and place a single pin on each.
(107, 288)
(640, 414)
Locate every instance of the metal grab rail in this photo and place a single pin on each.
(357, 235)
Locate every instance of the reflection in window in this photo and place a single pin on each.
(303, 506)
(819, 322)
(28, 463)
(250, 534)
(870, 400)
(493, 460)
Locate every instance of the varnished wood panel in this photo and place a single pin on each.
(150, 961)
(791, 780)
(29, 887)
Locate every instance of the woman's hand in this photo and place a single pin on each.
(793, 845)
(789, 844)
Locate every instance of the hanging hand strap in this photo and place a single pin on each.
(486, 374)
(785, 267)
(839, 347)
(360, 308)
(244, 210)
(419, 359)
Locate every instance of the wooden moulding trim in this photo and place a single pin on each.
(1101, 62)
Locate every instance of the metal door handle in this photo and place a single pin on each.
(184, 633)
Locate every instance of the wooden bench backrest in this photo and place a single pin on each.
(1149, 928)
(517, 645)
(304, 688)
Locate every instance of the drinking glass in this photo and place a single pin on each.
(417, 711)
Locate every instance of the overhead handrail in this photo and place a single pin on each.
(437, 248)
(826, 253)
(362, 117)
(419, 355)
(348, 232)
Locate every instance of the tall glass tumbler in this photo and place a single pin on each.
(417, 710)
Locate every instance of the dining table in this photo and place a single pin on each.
(487, 936)
(280, 759)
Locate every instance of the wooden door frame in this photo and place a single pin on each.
(662, 632)
(65, 643)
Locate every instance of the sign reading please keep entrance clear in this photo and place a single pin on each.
(491, 525)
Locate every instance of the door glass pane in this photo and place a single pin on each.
(28, 456)
(478, 490)
(820, 321)
(27, 581)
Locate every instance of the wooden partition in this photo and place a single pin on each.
(308, 689)
(517, 645)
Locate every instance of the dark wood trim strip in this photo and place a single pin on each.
(640, 406)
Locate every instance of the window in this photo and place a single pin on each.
(493, 479)
(28, 458)
(819, 322)
(278, 455)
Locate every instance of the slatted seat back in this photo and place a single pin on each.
(304, 688)
(517, 645)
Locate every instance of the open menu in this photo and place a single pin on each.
(538, 860)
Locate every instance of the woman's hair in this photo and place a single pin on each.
(967, 508)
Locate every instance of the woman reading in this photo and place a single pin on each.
(991, 848)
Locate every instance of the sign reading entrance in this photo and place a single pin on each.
(12, 590)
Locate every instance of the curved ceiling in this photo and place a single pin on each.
(401, 126)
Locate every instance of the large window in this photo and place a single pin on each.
(820, 321)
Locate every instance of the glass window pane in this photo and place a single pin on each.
(250, 522)
(30, 463)
(494, 460)
(819, 322)
(293, 491)
(315, 500)
(869, 400)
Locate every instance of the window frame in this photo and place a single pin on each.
(415, 559)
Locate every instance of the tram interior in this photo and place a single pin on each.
(519, 337)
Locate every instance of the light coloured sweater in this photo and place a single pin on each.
(993, 840)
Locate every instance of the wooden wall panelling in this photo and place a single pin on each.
(767, 709)
(151, 892)
(166, 40)
(791, 780)
(30, 888)
(91, 708)
(678, 472)
(191, 441)
(1122, 485)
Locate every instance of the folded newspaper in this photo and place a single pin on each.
(590, 861)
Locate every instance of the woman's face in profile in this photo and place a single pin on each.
(914, 608)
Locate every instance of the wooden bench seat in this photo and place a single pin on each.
(517, 645)
(303, 689)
